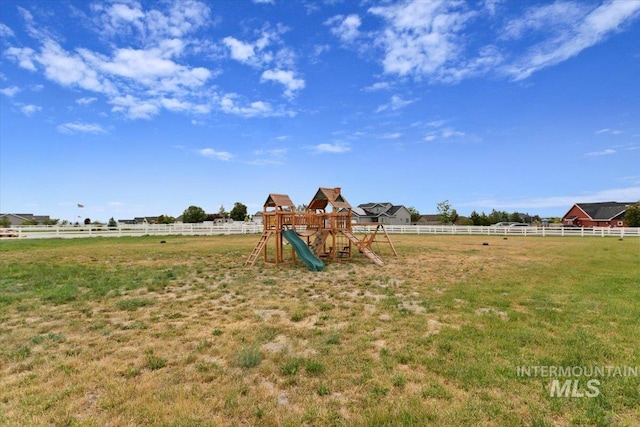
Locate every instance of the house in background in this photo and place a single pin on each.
(257, 218)
(603, 214)
(382, 213)
(429, 219)
(18, 219)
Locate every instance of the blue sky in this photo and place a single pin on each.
(144, 108)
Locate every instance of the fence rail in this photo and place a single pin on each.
(205, 229)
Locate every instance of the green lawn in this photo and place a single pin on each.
(131, 331)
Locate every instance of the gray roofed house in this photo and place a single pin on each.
(383, 213)
(18, 219)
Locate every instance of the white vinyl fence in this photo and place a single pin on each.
(210, 229)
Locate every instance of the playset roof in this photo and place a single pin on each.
(279, 201)
(329, 196)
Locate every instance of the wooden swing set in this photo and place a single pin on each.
(322, 232)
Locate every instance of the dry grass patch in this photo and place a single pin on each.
(131, 332)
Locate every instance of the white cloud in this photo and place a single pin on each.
(436, 123)
(5, 31)
(135, 108)
(450, 132)
(318, 50)
(345, 27)
(180, 19)
(490, 5)
(77, 127)
(139, 82)
(395, 103)
(23, 56)
(600, 153)
(228, 104)
(257, 108)
(441, 132)
(421, 38)
(377, 86)
(213, 154)
(30, 109)
(239, 50)
(286, 78)
(70, 70)
(435, 40)
(10, 91)
(336, 148)
(256, 53)
(609, 131)
(548, 17)
(567, 31)
(146, 67)
(394, 135)
(174, 104)
(86, 100)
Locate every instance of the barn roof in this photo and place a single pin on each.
(603, 211)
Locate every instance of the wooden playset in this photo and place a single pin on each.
(325, 225)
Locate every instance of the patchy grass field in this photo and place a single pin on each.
(128, 331)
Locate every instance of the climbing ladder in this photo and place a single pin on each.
(364, 248)
(318, 242)
(258, 249)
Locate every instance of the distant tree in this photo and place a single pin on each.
(415, 215)
(166, 219)
(112, 223)
(302, 207)
(30, 222)
(479, 219)
(498, 216)
(87, 221)
(239, 212)
(222, 212)
(474, 217)
(632, 215)
(465, 221)
(50, 221)
(5, 222)
(193, 214)
(454, 216)
(445, 213)
(515, 217)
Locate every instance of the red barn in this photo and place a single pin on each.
(603, 214)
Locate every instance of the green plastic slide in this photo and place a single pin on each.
(303, 251)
